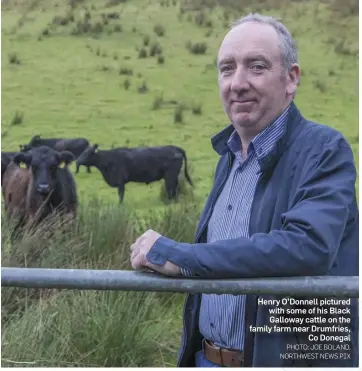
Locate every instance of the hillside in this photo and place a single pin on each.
(83, 68)
(132, 73)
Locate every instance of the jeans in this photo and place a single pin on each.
(202, 361)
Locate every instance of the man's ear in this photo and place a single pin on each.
(22, 157)
(293, 77)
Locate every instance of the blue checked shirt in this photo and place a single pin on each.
(222, 316)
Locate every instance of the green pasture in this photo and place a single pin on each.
(69, 85)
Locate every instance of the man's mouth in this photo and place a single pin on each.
(242, 101)
(242, 104)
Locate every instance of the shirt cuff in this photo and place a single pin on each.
(161, 250)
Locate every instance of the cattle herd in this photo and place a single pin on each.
(45, 184)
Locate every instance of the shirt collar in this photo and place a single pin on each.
(263, 142)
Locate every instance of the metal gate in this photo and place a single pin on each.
(88, 279)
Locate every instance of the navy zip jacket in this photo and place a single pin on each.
(304, 222)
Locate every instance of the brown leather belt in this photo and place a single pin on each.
(221, 356)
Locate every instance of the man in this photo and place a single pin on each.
(283, 204)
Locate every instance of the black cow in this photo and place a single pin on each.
(75, 146)
(9, 154)
(32, 193)
(144, 165)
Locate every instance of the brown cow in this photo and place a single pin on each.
(14, 186)
(32, 193)
(6, 158)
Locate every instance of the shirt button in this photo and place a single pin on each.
(229, 207)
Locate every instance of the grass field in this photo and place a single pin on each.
(90, 328)
(68, 70)
(70, 85)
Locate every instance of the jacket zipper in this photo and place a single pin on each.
(196, 239)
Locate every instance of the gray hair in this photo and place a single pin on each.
(289, 50)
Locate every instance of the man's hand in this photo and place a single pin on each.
(140, 249)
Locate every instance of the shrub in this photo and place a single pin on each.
(146, 40)
(160, 59)
(157, 103)
(200, 18)
(143, 88)
(127, 84)
(14, 59)
(159, 30)
(320, 85)
(198, 48)
(117, 28)
(197, 109)
(178, 114)
(17, 119)
(142, 53)
(155, 49)
(126, 71)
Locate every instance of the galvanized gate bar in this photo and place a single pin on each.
(85, 279)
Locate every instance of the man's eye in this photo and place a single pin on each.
(226, 68)
(258, 67)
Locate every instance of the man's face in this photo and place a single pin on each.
(254, 86)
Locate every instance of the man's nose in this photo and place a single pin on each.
(240, 80)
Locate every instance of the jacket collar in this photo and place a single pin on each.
(291, 129)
